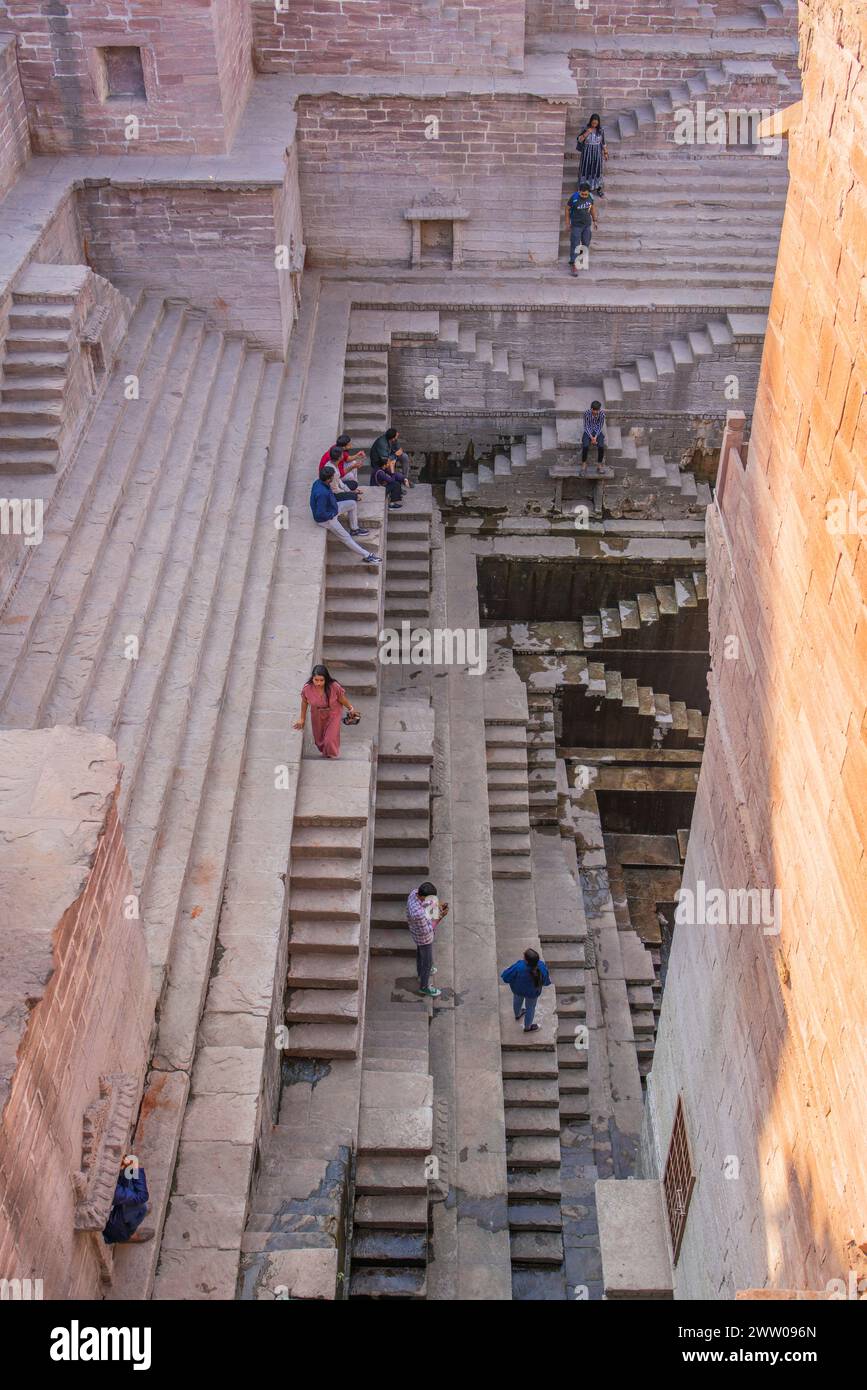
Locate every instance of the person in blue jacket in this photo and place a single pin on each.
(129, 1208)
(327, 511)
(526, 979)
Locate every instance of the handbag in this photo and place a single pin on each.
(352, 718)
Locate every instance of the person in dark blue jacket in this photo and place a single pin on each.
(526, 979)
(327, 510)
(129, 1207)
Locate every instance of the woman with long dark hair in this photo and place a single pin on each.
(324, 696)
(594, 153)
(526, 979)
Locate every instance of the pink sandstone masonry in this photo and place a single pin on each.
(364, 163)
(14, 134)
(214, 245)
(187, 90)
(756, 1029)
(346, 36)
(75, 990)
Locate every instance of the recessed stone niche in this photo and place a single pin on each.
(437, 232)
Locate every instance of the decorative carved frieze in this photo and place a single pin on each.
(106, 1130)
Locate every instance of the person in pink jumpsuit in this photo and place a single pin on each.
(324, 697)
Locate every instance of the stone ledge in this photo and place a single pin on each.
(636, 1262)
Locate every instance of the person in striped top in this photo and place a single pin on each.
(594, 433)
(424, 912)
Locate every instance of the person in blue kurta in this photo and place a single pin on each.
(129, 1207)
(526, 979)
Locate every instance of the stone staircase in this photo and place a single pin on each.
(653, 115)
(296, 1213)
(655, 203)
(372, 332)
(395, 1139)
(506, 747)
(528, 1060)
(365, 396)
(327, 933)
(392, 1184)
(143, 548)
(676, 359)
(644, 717)
(633, 619)
(542, 758)
(628, 460)
(328, 891)
(407, 591)
(35, 368)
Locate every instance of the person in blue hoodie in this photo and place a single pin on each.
(326, 512)
(130, 1206)
(526, 979)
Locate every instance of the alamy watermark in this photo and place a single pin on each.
(22, 516)
(704, 125)
(439, 646)
(732, 907)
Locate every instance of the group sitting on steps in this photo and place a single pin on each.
(335, 492)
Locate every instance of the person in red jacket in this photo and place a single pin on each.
(346, 464)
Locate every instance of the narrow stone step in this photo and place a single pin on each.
(398, 1247)
(385, 941)
(666, 599)
(314, 1040)
(390, 1211)
(533, 1151)
(319, 936)
(332, 871)
(535, 1215)
(695, 725)
(528, 1184)
(337, 1006)
(536, 1247)
(648, 609)
(322, 970)
(523, 1064)
(570, 1057)
(535, 1120)
(341, 905)
(540, 1092)
(575, 1106)
(385, 1281)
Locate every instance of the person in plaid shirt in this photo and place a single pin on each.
(424, 912)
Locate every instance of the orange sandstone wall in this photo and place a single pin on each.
(74, 989)
(196, 61)
(763, 1032)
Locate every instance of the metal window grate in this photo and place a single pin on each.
(679, 1179)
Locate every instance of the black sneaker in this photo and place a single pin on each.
(371, 559)
(359, 531)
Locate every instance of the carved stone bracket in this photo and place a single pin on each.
(106, 1130)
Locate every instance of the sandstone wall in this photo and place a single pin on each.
(401, 36)
(763, 1034)
(363, 163)
(612, 16)
(617, 84)
(14, 134)
(214, 245)
(233, 45)
(193, 73)
(75, 991)
(650, 16)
